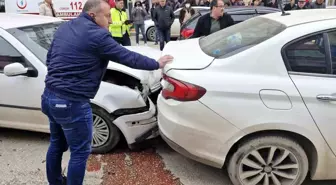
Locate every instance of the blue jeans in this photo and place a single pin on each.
(70, 126)
(139, 27)
(164, 36)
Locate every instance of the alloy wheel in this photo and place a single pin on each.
(101, 131)
(268, 166)
(152, 34)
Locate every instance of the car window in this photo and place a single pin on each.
(237, 18)
(9, 55)
(332, 41)
(36, 38)
(307, 55)
(240, 37)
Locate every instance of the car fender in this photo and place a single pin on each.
(148, 23)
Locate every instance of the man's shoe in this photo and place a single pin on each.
(64, 180)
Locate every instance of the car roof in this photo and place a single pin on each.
(14, 20)
(242, 8)
(302, 16)
(232, 9)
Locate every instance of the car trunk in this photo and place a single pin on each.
(187, 55)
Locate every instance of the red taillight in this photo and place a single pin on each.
(186, 33)
(181, 91)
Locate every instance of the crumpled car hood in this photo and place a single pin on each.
(150, 78)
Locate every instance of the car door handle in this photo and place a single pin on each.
(324, 97)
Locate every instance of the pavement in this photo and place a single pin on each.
(22, 162)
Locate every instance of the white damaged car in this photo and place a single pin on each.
(123, 107)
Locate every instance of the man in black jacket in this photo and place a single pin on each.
(214, 21)
(163, 19)
(154, 6)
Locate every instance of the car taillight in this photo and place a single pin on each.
(186, 33)
(181, 91)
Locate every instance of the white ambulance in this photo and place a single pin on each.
(65, 9)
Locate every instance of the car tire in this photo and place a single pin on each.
(105, 122)
(150, 34)
(251, 162)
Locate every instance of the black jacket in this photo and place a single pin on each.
(203, 25)
(163, 17)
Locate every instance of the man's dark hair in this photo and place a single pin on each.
(214, 3)
(93, 4)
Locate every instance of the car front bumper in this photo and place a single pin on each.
(140, 126)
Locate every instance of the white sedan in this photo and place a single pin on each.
(175, 29)
(122, 106)
(257, 99)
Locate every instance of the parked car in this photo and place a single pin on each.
(257, 98)
(238, 14)
(122, 106)
(175, 29)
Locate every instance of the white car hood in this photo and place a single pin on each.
(151, 78)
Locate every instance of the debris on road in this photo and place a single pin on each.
(132, 168)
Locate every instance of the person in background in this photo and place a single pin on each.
(186, 12)
(272, 3)
(177, 5)
(290, 6)
(317, 4)
(302, 4)
(237, 3)
(206, 3)
(196, 3)
(138, 15)
(214, 21)
(171, 3)
(145, 5)
(257, 3)
(163, 18)
(111, 3)
(120, 27)
(74, 73)
(47, 9)
(154, 6)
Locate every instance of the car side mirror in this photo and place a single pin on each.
(15, 69)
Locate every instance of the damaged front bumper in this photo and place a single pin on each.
(139, 126)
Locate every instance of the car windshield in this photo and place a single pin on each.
(240, 37)
(36, 38)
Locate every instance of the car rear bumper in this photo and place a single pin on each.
(194, 130)
(140, 126)
(184, 152)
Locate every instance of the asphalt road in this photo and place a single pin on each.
(22, 162)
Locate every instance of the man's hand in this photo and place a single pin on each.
(164, 60)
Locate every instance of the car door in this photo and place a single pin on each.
(312, 68)
(20, 96)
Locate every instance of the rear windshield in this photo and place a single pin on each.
(240, 37)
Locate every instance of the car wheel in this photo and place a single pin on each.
(105, 134)
(268, 160)
(151, 32)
